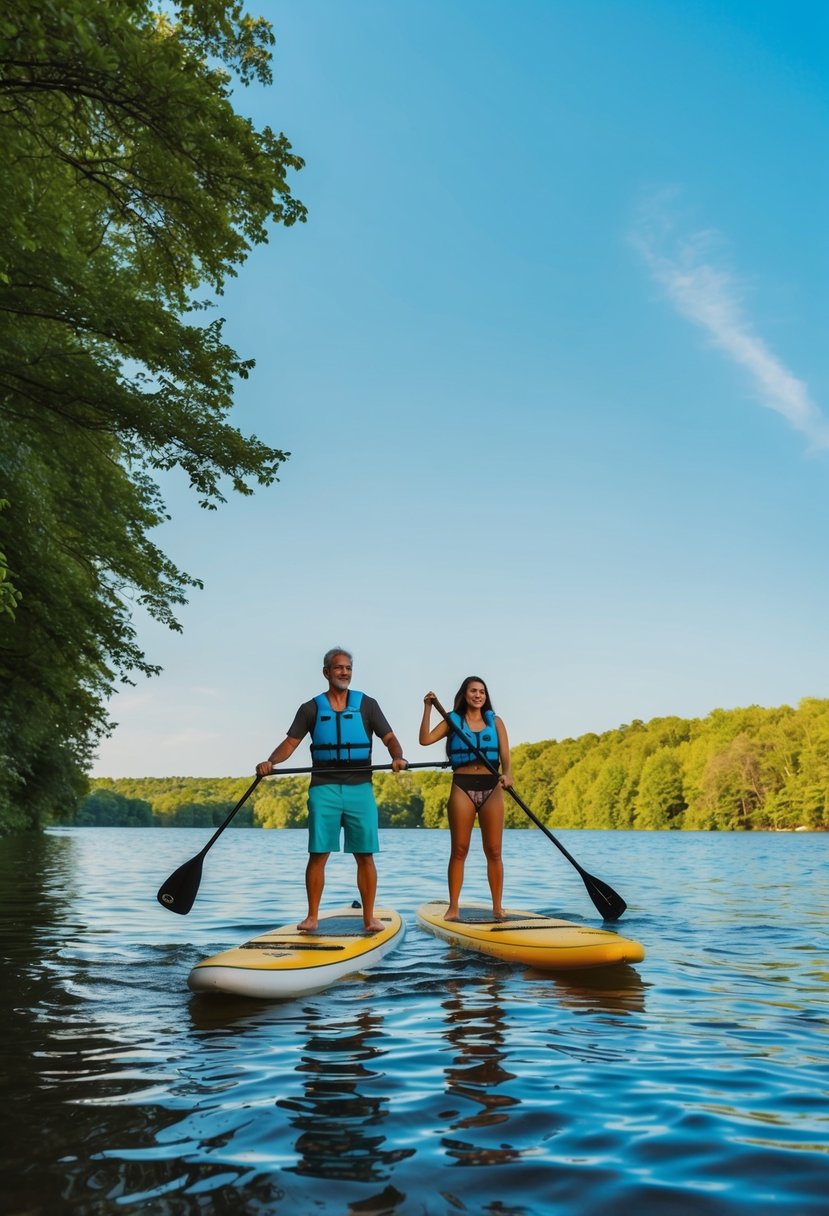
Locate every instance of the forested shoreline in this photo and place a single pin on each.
(734, 770)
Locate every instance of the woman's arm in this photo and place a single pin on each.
(432, 735)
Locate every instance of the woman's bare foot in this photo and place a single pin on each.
(308, 925)
(499, 914)
(373, 926)
(452, 913)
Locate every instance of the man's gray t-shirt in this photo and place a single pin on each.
(375, 723)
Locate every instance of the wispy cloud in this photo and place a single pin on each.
(709, 295)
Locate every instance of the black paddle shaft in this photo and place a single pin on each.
(607, 901)
(359, 768)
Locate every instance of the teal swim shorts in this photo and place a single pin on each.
(352, 807)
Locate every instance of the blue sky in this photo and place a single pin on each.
(550, 357)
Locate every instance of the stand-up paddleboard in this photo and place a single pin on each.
(530, 938)
(287, 962)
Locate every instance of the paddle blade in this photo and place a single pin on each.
(607, 901)
(178, 893)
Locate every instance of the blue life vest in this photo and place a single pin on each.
(486, 741)
(339, 737)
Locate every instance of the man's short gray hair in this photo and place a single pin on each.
(330, 656)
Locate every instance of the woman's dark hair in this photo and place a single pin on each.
(460, 696)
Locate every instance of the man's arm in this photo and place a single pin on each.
(279, 754)
(376, 723)
(395, 751)
(303, 723)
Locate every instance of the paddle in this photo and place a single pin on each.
(181, 888)
(607, 901)
(178, 893)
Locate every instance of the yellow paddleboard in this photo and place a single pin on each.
(530, 938)
(286, 963)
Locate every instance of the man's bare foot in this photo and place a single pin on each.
(308, 925)
(373, 926)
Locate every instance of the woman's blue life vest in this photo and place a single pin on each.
(486, 741)
(339, 737)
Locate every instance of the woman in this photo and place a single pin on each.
(476, 789)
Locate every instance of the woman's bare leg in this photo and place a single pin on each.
(461, 813)
(491, 819)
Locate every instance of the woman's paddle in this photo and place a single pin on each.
(178, 893)
(607, 901)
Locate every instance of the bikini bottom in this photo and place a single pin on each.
(477, 788)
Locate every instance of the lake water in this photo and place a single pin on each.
(440, 1084)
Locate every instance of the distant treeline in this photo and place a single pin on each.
(734, 770)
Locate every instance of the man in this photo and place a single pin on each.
(341, 723)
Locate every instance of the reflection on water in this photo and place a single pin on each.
(338, 1118)
(475, 1029)
(384, 1203)
(442, 1082)
(611, 990)
(223, 1011)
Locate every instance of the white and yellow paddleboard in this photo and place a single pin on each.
(530, 938)
(286, 962)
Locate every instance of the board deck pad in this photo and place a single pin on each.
(337, 926)
(546, 943)
(473, 916)
(288, 962)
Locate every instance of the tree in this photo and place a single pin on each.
(660, 802)
(732, 783)
(208, 815)
(283, 803)
(802, 748)
(106, 808)
(434, 791)
(604, 806)
(130, 186)
(399, 802)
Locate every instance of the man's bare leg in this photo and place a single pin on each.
(367, 886)
(314, 884)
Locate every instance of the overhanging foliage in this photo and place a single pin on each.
(130, 185)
